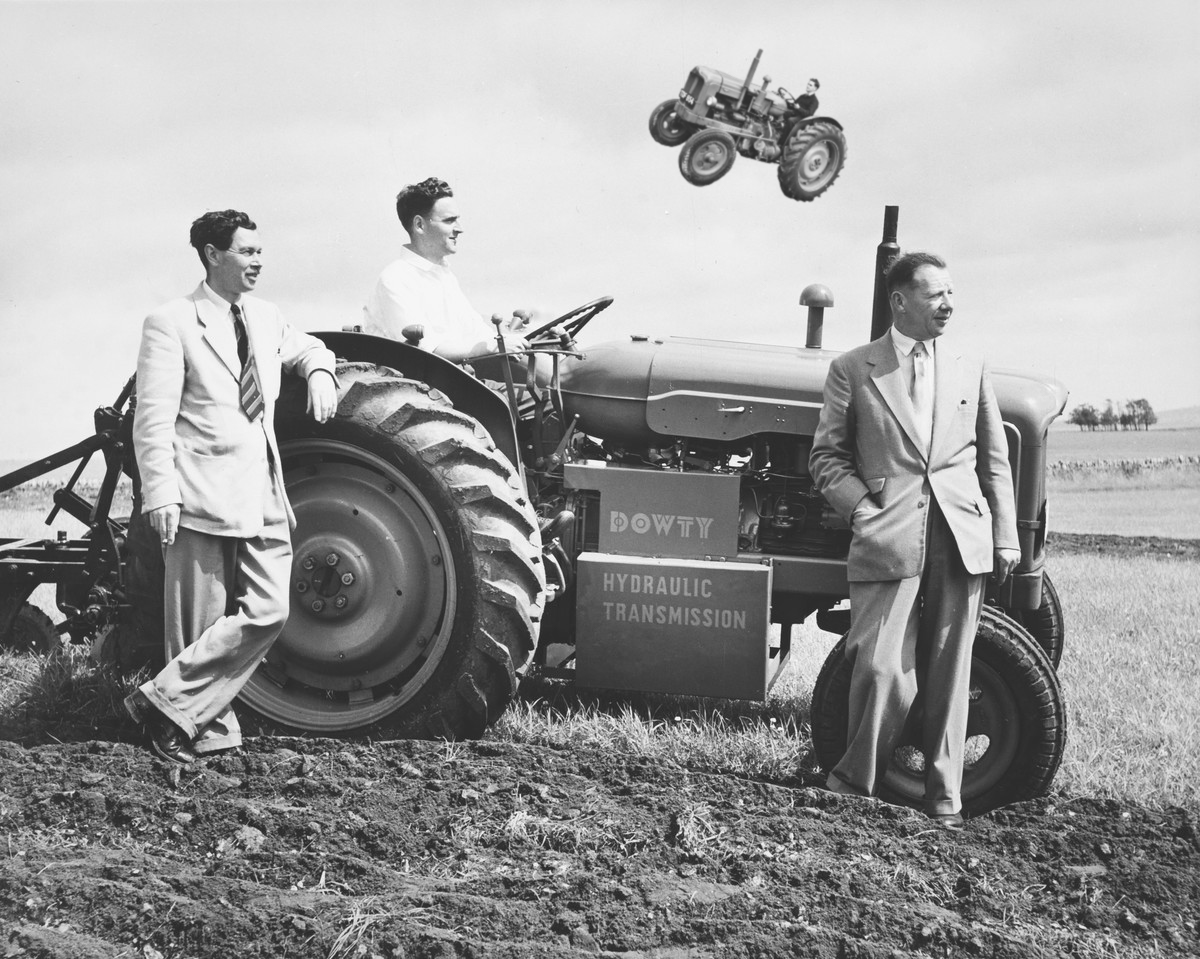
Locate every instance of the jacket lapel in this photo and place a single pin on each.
(218, 331)
(889, 380)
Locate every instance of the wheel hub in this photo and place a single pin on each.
(372, 595)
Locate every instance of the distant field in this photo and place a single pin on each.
(1072, 444)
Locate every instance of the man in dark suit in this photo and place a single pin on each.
(208, 375)
(911, 451)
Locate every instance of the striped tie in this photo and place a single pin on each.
(251, 395)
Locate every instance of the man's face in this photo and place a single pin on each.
(441, 230)
(923, 309)
(235, 271)
(811, 88)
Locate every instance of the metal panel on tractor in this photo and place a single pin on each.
(649, 512)
(688, 627)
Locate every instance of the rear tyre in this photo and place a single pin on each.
(417, 581)
(666, 127)
(32, 631)
(812, 158)
(707, 157)
(1016, 727)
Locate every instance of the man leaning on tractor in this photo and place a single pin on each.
(911, 450)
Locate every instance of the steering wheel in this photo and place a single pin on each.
(787, 96)
(574, 320)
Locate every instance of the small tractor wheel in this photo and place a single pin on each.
(707, 157)
(1016, 728)
(417, 577)
(1046, 623)
(32, 631)
(812, 159)
(666, 127)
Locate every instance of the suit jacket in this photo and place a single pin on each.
(867, 444)
(194, 444)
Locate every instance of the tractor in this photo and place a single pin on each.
(717, 116)
(649, 512)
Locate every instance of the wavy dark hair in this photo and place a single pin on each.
(218, 228)
(903, 267)
(417, 199)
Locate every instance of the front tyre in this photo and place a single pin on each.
(812, 158)
(1016, 725)
(666, 127)
(417, 582)
(707, 157)
(1045, 624)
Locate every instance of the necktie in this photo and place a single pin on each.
(250, 394)
(922, 393)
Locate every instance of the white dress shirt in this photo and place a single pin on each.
(414, 290)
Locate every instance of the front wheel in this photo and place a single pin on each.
(666, 127)
(813, 157)
(417, 581)
(1016, 725)
(1045, 624)
(707, 157)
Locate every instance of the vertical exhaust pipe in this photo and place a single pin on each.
(881, 312)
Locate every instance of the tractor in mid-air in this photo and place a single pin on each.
(716, 117)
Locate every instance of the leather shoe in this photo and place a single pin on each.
(947, 820)
(169, 742)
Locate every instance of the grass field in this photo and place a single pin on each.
(1072, 444)
(1161, 501)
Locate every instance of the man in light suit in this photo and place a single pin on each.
(208, 375)
(911, 451)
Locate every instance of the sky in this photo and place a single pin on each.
(1050, 152)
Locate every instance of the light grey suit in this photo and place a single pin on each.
(227, 572)
(922, 546)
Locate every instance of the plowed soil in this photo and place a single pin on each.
(333, 848)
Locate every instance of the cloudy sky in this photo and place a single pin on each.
(1050, 151)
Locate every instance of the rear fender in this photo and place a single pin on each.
(818, 119)
(467, 393)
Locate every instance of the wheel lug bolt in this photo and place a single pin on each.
(318, 605)
(347, 579)
(435, 560)
(341, 602)
(332, 559)
(309, 563)
(301, 586)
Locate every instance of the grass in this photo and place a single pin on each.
(1071, 443)
(1126, 497)
(1129, 672)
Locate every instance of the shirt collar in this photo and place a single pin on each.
(415, 259)
(905, 343)
(215, 298)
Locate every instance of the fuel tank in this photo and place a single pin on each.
(649, 392)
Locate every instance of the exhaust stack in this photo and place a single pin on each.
(881, 313)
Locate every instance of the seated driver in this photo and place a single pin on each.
(419, 289)
(806, 104)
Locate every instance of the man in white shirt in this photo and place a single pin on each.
(419, 289)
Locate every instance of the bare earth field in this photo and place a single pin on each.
(503, 848)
